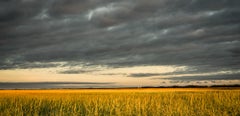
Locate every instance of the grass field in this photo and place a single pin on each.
(121, 102)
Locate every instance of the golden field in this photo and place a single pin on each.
(121, 102)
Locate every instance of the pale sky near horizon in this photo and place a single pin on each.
(126, 43)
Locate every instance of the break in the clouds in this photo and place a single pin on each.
(194, 33)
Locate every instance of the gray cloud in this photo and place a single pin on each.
(193, 74)
(199, 33)
(72, 71)
(201, 78)
(138, 75)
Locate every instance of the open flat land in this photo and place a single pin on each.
(121, 102)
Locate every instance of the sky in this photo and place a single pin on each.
(120, 42)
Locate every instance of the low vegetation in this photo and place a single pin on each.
(121, 102)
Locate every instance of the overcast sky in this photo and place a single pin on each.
(125, 42)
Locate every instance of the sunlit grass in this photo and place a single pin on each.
(120, 102)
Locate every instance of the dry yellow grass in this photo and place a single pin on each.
(121, 102)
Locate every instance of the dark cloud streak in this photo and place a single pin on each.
(201, 78)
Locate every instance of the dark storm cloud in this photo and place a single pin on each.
(199, 33)
(17, 10)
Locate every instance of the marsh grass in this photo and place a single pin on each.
(125, 102)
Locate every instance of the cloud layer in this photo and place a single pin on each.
(197, 33)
